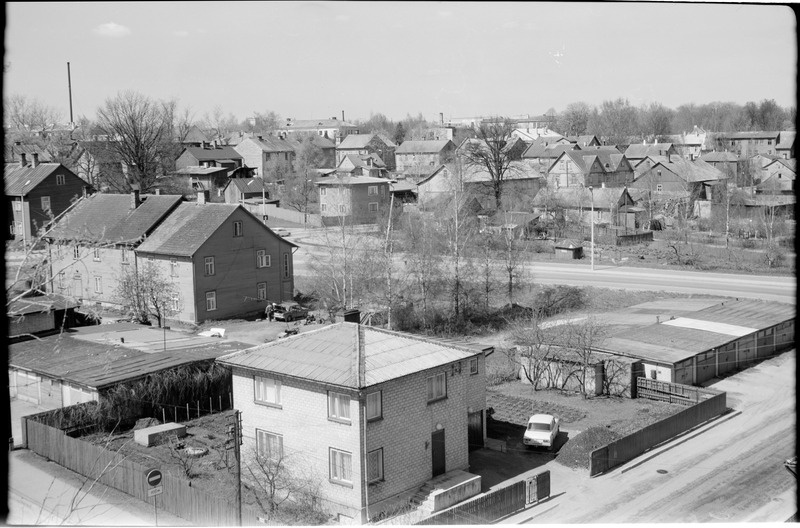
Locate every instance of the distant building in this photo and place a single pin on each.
(353, 199)
(332, 128)
(365, 144)
(414, 156)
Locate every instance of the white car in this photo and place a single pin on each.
(542, 431)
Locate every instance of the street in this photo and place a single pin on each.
(732, 472)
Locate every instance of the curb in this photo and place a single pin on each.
(682, 440)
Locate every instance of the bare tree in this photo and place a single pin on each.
(29, 116)
(538, 349)
(487, 151)
(148, 293)
(582, 337)
(140, 130)
(277, 482)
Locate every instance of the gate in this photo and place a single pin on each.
(537, 487)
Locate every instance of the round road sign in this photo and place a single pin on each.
(154, 477)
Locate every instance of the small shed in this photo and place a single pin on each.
(568, 249)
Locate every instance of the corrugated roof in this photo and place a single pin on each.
(108, 218)
(212, 154)
(19, 181)
(187, 228)
(422, 147)
(330, 355)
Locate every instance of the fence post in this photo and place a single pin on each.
(211, 404)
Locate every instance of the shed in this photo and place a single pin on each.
(569, 249)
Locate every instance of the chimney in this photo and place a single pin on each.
(441, 118)
(158, 192)
(35, 162)
(23, 159)
(85, 191)
(203, 197)
(260, 138)
(135, 200)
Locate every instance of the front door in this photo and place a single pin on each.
(437, 452)
(475, 430)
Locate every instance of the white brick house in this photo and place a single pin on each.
(369, 414)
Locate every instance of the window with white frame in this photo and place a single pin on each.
(659, 187)
(125, 257)
(209, 266)
(98, 284)
(267, 390)
(342, 208)
(339, 406)
(322, 191)
(45, 203)
(323, 207)
(286, 265)
(375, 465)
(262, 259)
(269, 445)
(372, 190)
(96, 254)
(374, 405)
(437, 386)
(60, 179)
(373, 207)
(237, 229)
(473, 365)
(176, 302)
(76, 252)
(18, 205)
(173, 267)
(211, 301)
(262, 291)
(341, 466)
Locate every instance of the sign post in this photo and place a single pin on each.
(153, 478)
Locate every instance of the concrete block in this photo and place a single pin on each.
(158, 434)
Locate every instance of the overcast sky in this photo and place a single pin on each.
(311, 60)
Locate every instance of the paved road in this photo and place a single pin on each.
(732, 472)
(771, 288)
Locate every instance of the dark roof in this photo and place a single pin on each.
(349, 355)
(360, 141)
(200, 170)
(108, 218)
(539, 150)
(20, 181)
(271, 144)
(422, 147)
(211, 154)
(750, 135)
(717, 157)
(195, 135)
(13, 151)
(40, 303)
(248, 185)
(642, 151)
(315, 124)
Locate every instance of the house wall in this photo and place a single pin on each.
(356, 200)
(253, 155)
(76, 277)
(442, 184)
(650, 180)
(186, 159)
(31, 323)
(61, 197)
(777, 177)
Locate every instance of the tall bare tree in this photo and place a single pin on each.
(29, 116)
(487, 151)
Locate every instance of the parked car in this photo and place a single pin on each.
(289, 312)
(542, 431)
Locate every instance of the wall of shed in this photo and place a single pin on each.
(31, 323)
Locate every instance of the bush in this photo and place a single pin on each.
(554, 300)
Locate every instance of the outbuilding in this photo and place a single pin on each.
(569, 249)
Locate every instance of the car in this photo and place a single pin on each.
(287, 312)
(542, 431)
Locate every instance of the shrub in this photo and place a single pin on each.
(554, 300)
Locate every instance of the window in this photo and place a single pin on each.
(125, 257)
(372, 190)
(61, 281)
(176, 302)
(373, 207)
(98, 284)
(76, 252)
(262, 259)
(211, 301)
(322, 191)
(473, 366)
(237, 229)
(374, 405)
(60, 179)
(269, 445)
(341, 208)
(262, 291)
(323, 207)
(173, 267)
(659, 187)
(339, 406)
(375, 465)
(209, 265)
(340, 462)
(96, 254)
(267, 390)
(18, 205)
(286, 265)
(45, 203)
(437, 387)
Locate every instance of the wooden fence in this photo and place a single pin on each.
(484, 509)
(711, 404)
(671, 392)
(114, 470)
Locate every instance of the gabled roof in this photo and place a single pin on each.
(39, 304)
(423, 147)
(788, 163)
(360, 141)
(188, 227)
(19, 181)
(271, 144)
(248, 185)
(212, 154)
(352, 180)
(636, 151)
(539, 150)
(719, 157)
(610, 160)
(583, 141)
(689, 171)
(750, 135)
(195, 135)
(604, 197)
(787, 140)
(349, 355)
(360, 161)
(431, 175)
(13, 151)
(200, 170)
(108, 218)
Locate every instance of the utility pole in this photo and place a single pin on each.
(69, 84)
(237, 442)
(592, 225)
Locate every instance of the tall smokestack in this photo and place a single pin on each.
(69, 84)
(441, 118)
(342, 115)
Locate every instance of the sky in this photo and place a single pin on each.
(313, 60)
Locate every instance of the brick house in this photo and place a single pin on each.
(224, 261)
(590, 166)
(209, 156)
(353, 199)
(364, 144)
(263, 153)
(36, 193)
(369, 415)
(420, 156)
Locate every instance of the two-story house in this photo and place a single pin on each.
(266, 154)
(209, 156)
(785, 147)
(224, 261)
(590, 166)
(636, 152)
(369, 415)
(334, 129)
(745, 144)
(362, 165)
(326, 147)
(419, 157)
(353, 199)
(36, 194)
(778, 177)
(364, 144)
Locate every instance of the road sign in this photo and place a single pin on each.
(157, 490)
(154, 477)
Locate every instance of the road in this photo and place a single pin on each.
(732, 472)
(769, 288)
